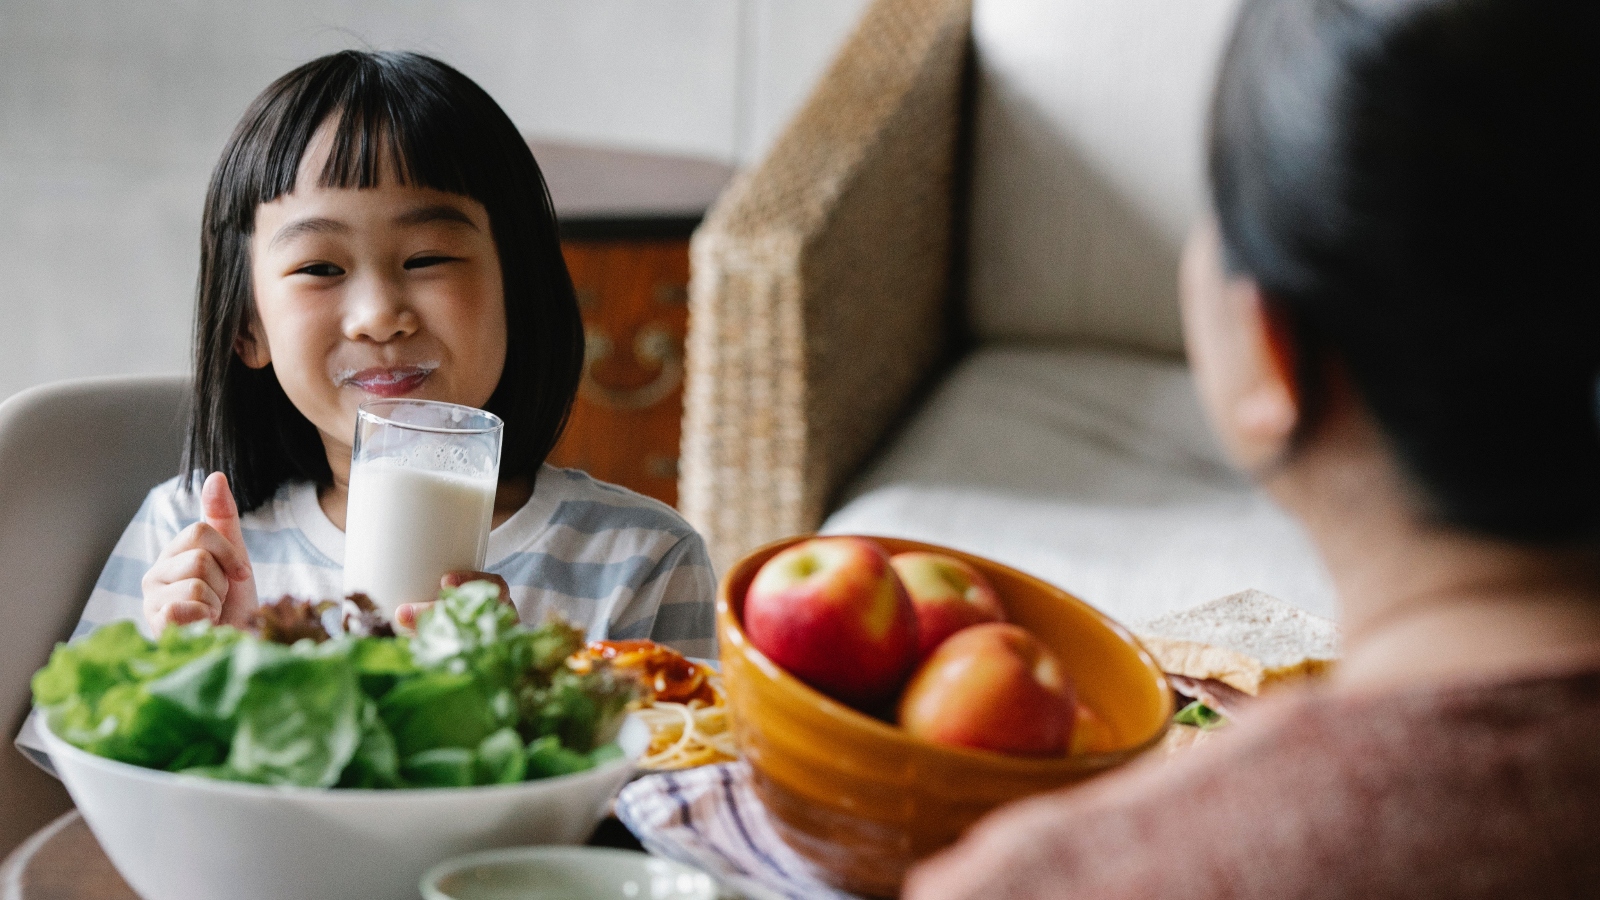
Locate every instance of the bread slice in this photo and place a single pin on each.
(1249, 640)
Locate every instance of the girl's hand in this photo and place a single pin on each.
(204, 573)
(405, 615)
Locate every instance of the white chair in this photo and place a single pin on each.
(76, 459)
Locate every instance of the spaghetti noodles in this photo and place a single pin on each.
(684, 735)
(685, 707)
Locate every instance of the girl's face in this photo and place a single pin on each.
(389, 291)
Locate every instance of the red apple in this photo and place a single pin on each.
(831, 612)
(948, 594)
(992, 687)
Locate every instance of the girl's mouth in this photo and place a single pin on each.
(388, 381)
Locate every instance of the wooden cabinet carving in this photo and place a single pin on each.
(627, 419)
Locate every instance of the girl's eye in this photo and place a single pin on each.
(422, 262)
(320, 270)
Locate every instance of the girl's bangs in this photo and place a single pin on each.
(372, 134)
(386, 119)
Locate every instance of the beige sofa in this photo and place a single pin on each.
(944, 307)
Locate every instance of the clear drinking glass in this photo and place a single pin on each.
(422, 482)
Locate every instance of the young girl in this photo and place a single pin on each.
(377, 227)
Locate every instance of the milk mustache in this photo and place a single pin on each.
(392, 560)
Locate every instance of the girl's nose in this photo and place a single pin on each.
(379, 311)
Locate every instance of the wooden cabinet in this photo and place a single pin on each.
(627, 419)
(625, 220)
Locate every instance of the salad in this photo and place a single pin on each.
(324, 695)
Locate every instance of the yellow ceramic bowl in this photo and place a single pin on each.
(863, 800)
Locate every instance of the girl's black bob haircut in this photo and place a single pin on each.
(438, 130)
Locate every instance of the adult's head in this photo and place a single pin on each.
(1407, 189)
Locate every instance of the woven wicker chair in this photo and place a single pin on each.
(844, 231)
(1014, 178)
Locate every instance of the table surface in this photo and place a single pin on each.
(63, 861)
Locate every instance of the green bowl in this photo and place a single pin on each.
(565, 873)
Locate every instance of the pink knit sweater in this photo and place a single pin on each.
(1490, 791)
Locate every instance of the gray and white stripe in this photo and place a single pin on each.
(616, 563)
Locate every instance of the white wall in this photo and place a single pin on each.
(112, 113)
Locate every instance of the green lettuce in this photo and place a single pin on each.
(473, 698)
(1199, 715)
(95, 694)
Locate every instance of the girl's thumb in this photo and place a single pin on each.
(219, 511)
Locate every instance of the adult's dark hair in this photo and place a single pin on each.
(1413, 184)
(438, 130)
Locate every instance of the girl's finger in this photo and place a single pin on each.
(196, 565)
(405, 615)
(458, 578)
(176, 566)
(218, 510)
(182, 612)
(194, 590)
(201, 536)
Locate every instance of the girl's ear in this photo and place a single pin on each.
(252, 347)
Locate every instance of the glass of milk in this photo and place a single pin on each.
(422, 482)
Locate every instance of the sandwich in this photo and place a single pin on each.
(1220, 655)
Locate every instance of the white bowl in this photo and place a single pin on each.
(565, 873)
(181, 837)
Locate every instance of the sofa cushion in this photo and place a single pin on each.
(1087, 164)
(1092, 470)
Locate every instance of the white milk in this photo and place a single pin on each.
(406, 527)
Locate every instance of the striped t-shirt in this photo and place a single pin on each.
(614, 562)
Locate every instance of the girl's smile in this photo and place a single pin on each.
(388, 381)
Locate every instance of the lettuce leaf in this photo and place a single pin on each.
(439, 709)
(547, 758)
(211, 687)
(473, 698)
(376, 763)
(381, 663)
(501, 759)
(442, 767)
(466, 624)
(1200, 716)
(584, 711)
(299, 721)
(126, 723)
(94, 695)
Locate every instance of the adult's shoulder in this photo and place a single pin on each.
(1160, 827)
(1397, 794)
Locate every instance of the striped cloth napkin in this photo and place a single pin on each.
(709, 818)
